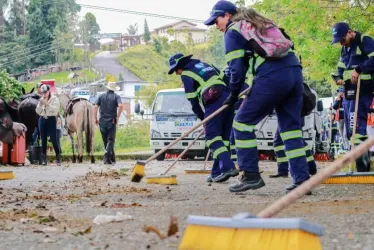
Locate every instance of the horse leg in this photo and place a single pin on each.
(80, 145)
(72, 146)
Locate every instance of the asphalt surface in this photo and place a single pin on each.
(107, 63)
(54, 207)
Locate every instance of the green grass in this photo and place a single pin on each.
(62, 77)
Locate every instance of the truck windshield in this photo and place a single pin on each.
(172, 102)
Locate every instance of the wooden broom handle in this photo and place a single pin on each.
(206, 159)
(193, 129)
(300, 191)
(184, 151)
(355, 115)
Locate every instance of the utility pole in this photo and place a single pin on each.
(121, 43)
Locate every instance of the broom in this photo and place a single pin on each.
(171, 179)
(244, 231)
(6, 175)
(351, 177)
(200, 171)
(138, 170)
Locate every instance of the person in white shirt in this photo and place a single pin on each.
(48, 109)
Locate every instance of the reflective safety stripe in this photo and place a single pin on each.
(371, 54)
(279, 148)
(204, 85)
(210, 142)
(341, 65)
(226, 143)
(246, 143)
(233, 157)
(282, 159)
(243, 127)
(310, 158)
(359, 139)
(234, 55)
(306, 148)
(194, 76)
(191, 95)
(295, 153)
(233, 27)
(291, 135)
(219, 151)
(212, 81)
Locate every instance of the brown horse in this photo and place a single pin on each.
(78, 114)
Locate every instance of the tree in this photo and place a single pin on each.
(133, 29)
(3, 7)
(147, 34)
(9, 87)
(90, 30)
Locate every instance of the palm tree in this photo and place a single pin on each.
(133, 29)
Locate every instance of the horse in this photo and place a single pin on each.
(27, 113)
(79, 118)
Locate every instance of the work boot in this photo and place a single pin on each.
(278, 175)
(209, 179)
(226, 175)
(363, 163)
(44, 160)
(247, 181)
(58, 160)
(291, 187)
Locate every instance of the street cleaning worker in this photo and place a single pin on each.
(203, 84)
(278, 84)
(48, 108)
(356, 60)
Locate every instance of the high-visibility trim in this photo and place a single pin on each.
(210, 142)
(226, 143)
(212, 81)
(306, 148)
(243, 127)
(291, 135)
(234, 55)
(233, 157)
(194, 76)
(219, 151)
(279, 148)
(282, 159)
(191, 95)
(371, 54)
(295, 153)
(310, 158)
(246, 143)
(341, 65)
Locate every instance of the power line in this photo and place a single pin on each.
(23, 51)
(139, 13)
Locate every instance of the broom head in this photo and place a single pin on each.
(6, 175)
(250, 233)
(351, 178)
(137, 172)
(162, 179)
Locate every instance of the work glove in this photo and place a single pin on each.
(232, 99)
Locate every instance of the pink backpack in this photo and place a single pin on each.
(272, 44)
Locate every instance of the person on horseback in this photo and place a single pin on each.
(48, 108)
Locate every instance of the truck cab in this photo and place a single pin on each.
(172, 116)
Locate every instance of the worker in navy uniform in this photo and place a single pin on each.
(356, 60)
(204, 86)
(278, 84)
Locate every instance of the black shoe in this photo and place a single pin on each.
(44, 160)
(363, 163)
(291, 187)
(278, 175)
(58, 160)
(107, 162)
(248, 181)
(226, 175)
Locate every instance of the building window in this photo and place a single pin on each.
(137, 88)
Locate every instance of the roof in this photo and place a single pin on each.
(171, 90)
(190, 28)
(175, 23)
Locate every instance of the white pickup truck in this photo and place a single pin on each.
(172, 115)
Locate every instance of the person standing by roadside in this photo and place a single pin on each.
(48, 109)
(36, 131)
(110, 112)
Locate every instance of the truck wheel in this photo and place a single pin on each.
(190, 157)
(160, 157)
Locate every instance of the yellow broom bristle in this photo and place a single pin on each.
(350, 180)
(248, 237)
(6, 175)
(163, 180)
(197, 171)
(137, 172)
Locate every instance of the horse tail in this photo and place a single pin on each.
(88, 128)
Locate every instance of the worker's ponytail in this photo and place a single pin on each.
(256, 20)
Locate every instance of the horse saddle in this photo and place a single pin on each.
(69, 108)
(31, 95)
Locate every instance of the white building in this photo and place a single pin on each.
(180, 31)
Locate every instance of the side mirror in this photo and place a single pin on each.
(320, 106)
(137, 108)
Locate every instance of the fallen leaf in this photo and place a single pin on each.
(50, 230)
(173, 226)
(120, 205)
(87, 231)
(350, 236)
(148, 229)
(49, 240)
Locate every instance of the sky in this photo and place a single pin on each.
(112, 22)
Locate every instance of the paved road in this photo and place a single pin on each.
(107, 62)
(68, 198)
